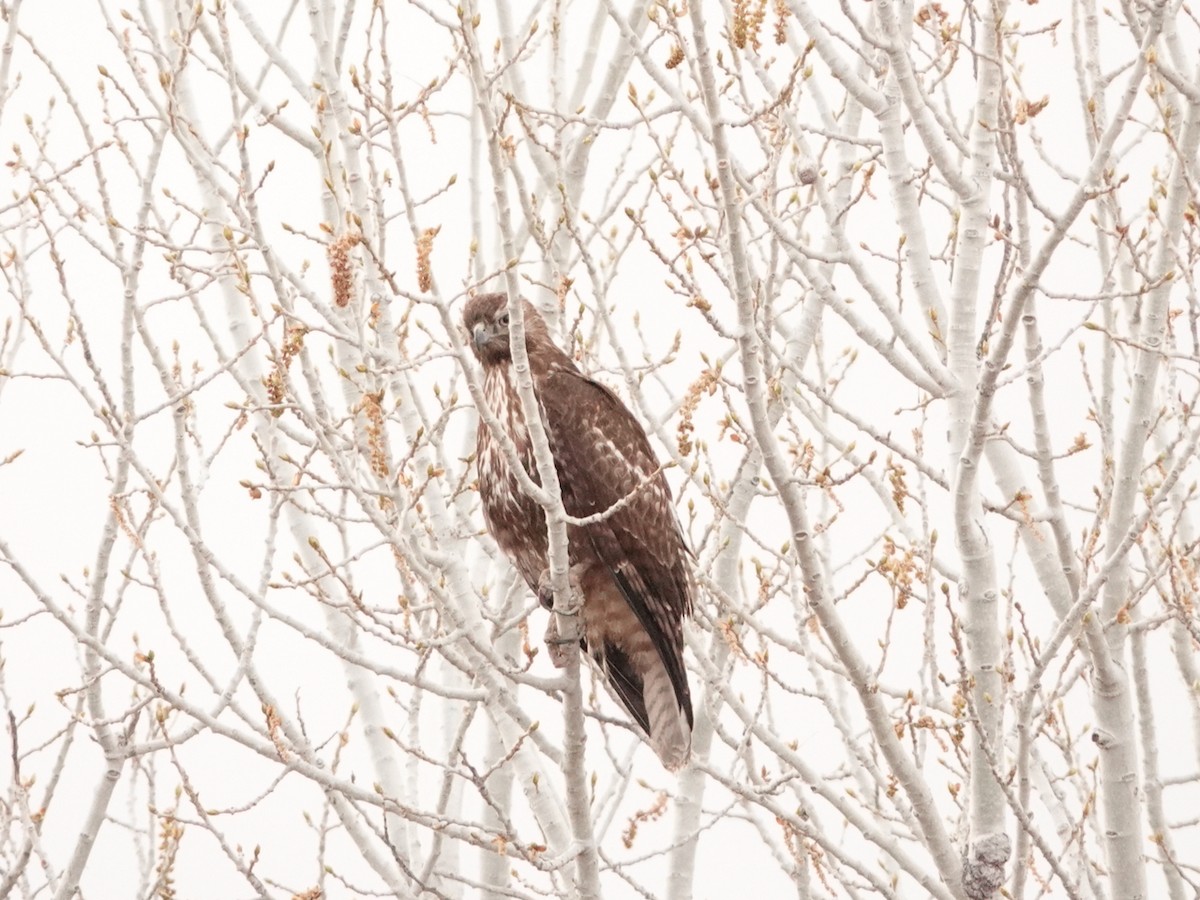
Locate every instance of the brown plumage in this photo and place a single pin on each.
(631, 566)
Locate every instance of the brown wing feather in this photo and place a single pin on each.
(602, 456)
(627, 683)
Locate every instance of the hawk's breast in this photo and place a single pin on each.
(515, 520)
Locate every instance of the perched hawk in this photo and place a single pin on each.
(631, 566)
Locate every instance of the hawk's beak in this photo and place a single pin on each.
(480, 335)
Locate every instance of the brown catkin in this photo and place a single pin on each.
(424, 250)
(340, 269)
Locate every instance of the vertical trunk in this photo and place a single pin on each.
(988, 845)
(1115, 734)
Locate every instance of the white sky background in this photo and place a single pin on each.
(55, 497)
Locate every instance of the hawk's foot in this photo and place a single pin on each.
(558, 647)
(545, 590)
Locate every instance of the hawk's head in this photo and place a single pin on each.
(486, 320)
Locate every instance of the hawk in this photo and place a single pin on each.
(631, 565)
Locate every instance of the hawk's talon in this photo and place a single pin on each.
(556, 644)
(545, 591)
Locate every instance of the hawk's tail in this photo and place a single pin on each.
(644, 686)
(670, 732)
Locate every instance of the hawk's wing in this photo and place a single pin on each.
(604, 458)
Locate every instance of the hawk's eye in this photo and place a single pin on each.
(502, 320)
